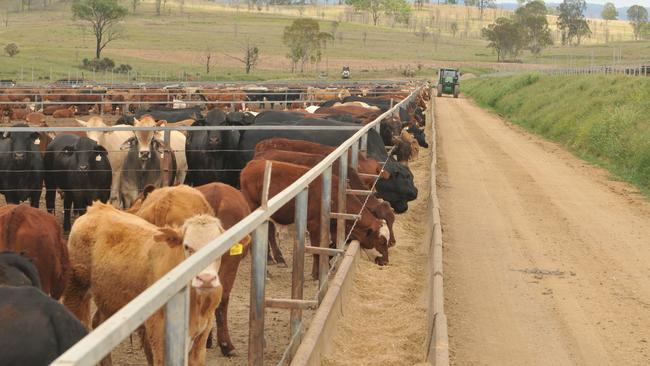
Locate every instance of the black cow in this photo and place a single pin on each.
(239, 118)
(18, 270)
(34, 328)
(398, 189)
(21, 166)
(143, 166)
(210, 154)
(79, 167)
(169, 114)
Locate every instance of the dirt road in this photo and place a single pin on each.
(547, 261)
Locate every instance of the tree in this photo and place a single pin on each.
(12, 49)
(532, 18)
(571, 21)
(305, 41)
(638, 16)
(609, 12)
(103, 16)
(134, 4)
(251, 56)
(398, 8)
(454, 28)
(505, 36)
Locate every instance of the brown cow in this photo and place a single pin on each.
(38, 235)
(115, 256)
(377, 206)
(230, 206)
(366, 165)
(371, 232)
(19, 114)
(173, 205)
(35, 118)
(65, 113)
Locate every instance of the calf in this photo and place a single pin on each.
(17, 270)
(113, 142)
(370, 231)
(37, 235)
(143, 163)
(80, 168)
(115, 256)
(18, 114)
(35, 118)
(34, 329)
(21, 166)
(65, 113)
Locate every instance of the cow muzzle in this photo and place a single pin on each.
(83, 167)
(213, 141)
(144, 155)
(20, 156)
(206, 281)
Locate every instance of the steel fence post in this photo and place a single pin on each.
(298, 267)
(257, 297)
(342, 198)
(325, 211)
(177, 319)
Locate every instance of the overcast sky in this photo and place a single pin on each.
(618, 3)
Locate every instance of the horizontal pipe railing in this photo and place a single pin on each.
(101, 341)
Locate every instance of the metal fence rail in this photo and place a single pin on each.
(172, 290)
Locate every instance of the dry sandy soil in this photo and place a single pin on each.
(546, 258)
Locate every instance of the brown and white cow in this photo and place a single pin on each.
(116, 255)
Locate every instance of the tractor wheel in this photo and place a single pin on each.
(456, 91)
(439, 87)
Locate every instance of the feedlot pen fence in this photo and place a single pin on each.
(172, 290)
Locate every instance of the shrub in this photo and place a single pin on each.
(104, 64)
(12, 49)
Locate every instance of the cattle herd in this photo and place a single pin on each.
(142, 202)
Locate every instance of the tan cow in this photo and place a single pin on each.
(116, 255)
(173, 205)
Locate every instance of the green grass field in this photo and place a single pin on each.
(603, 119)
(174, 45)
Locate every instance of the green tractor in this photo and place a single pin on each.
(448, 82)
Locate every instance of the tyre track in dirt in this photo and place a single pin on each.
(546, 259)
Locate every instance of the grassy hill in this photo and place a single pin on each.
(603, 119)
(174, 45)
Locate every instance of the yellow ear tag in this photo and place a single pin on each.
(37, 141)
(237, 249)
(98, 158)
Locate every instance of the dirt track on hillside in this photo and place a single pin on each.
(547, 261)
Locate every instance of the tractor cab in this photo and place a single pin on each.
(448, 82)
(345, 73)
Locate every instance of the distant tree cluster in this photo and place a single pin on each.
(571, 21)
(399, 9)
(638, 17)
(305, 42)
(527, 29)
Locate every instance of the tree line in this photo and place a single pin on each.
(527, 28)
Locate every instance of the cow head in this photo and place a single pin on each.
(399, 188)
(198, 231)
(22, 143)
(147, 143)
(418, 133)
(375, 237)
(83, 155)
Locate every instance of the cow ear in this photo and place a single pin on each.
(148, 189)
(171, 236)
(83, 123)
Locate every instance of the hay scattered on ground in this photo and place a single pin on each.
(384, 322)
